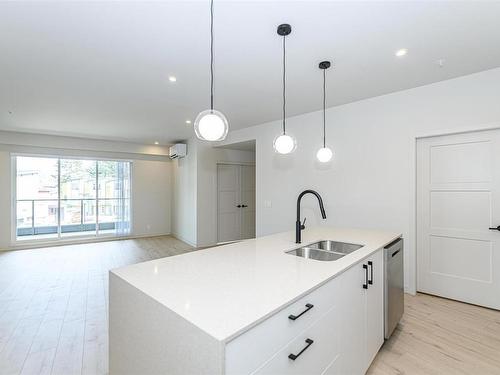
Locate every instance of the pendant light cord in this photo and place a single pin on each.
(212, 55)
(324, 108)
(284, 85)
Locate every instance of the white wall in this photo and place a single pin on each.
(151, 177)
(370, 183)
(184, 196)
(151, 197)
(5, 202)
(194, 198)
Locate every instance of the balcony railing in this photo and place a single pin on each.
(81, 226)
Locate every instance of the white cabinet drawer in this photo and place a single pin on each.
(249, 351)
(316, 350)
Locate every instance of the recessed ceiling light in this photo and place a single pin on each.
(172, 79)
(188, 121)
(157, 143)
(401, 52)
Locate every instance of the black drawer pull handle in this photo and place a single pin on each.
(394, 253)
(293, 357)
(294, 317)
(497, 228)
(365, 285)
(370, 280)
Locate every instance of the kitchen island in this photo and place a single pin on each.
(250, 307)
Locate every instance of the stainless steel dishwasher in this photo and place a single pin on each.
(394, 284)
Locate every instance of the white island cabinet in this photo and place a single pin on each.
(250, 308)
(363, 314)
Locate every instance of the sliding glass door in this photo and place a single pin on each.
(77, 197)
(61, 198)
(113, 201)
(37, 194)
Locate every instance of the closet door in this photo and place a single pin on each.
(458, 213)
(247, 178)
(228, 201)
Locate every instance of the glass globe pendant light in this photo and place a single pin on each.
(284, 143)
(211, 125)
(324, 154)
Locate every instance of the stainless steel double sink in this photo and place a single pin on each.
(325, 250)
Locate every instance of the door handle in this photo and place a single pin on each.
(497, 228)
(293, 357)
(370, 280)
(365, 285)
(244, 205)
(294, 317)
(239, 206)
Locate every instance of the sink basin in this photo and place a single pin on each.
(325, 250)
(336, 247)
(310, 253)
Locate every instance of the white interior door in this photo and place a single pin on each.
(458, 198)
(247, 173)
(236, 202)
(228, 186)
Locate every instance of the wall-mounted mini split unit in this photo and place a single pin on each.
(177, 151)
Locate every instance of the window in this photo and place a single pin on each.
(60, 198)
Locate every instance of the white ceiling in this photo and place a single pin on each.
(100, 69)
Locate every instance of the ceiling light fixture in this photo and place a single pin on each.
(284, 143)
(172, 79)
(401, 52)
(211, 125)
(324, 154)
(188, 121)
(157, 143)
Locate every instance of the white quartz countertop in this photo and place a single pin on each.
(225, 290)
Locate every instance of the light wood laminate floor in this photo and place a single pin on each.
(438, 336)
(54, 311)
(54, 303)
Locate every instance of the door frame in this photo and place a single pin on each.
(412, 254)
(240, 163)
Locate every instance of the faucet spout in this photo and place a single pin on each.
(298, 226)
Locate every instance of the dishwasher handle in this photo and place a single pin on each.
(393, 250)
(394, 253)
